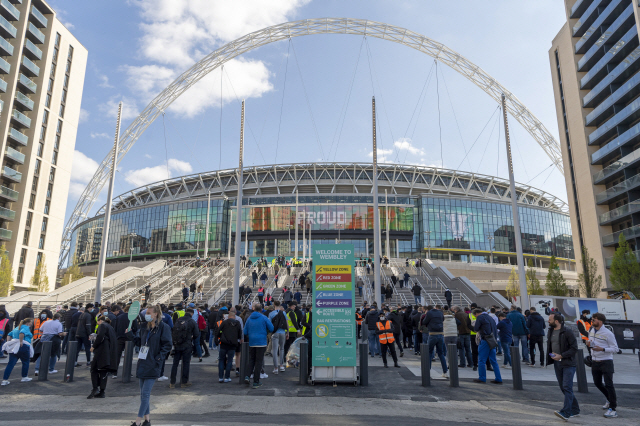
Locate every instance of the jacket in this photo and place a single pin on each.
(84, 325)
(485, 325)
(75, 318)
(395, 319)
(568, 347)
(406, 318)
(450, 327)
(24, 312)
(384, 330)
(519, 323)
(256, 329)
(433, 321)
(415, 320)
(193, 332)
(230, 332)
(105, 349)
(536, 324)
(122, 322)
(462, 325)
(159, 341)
(306, 323)
(371, 319)
(505, 331)
(448, 295)
(68, 317)
(416, 290)
(287, 296)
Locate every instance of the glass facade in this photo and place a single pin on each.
(448, 228)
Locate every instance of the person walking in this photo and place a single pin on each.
(185, 293)
(279, 337)
(450, 329)
(254, 277)
(486, 329)
(603, 345)
(520, 332)
(308, 284)
(535, 324)
(105, 356)
(396, 320)
(261, 295)
(384, 333)
(464, 338)
(371, 320)
(433, 322)
(83, 332)
(416, 290)
(51, 331)
(68, 319)
(183, 335)
(506, 337)
(293, 325)
(264, 278)
(229, 336)
(562, 347)
(18, 346)
(256, 329)
(155, 344)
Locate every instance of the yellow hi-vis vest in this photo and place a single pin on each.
(472, 318)
(304, 328)
(292, 327)
(180, 313)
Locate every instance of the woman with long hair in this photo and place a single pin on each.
(155, 344)
(19, 347)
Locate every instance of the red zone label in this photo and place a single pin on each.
(333, 278)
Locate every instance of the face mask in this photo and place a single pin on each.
(148, 318)
(382, 318)
(588, 316)
(43, 317)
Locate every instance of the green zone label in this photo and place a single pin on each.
(333, 286)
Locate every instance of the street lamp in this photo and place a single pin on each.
(200, 228)
(339, 226)
(490, 238)
(534, 244)
(428, 243)
(132, 236)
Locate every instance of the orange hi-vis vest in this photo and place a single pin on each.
(36, 328)
(358, 319)
(587, 326)
(385, 338)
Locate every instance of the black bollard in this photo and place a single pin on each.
(581, 372)
(72, 348)
(128, 362)
(364, 364)
(425, 365)
(452, 354)
(244, 362)
(365, 332)
(516, 369)
(45, 356)
(304, 362)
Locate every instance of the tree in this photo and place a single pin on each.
(513, 287)
(555, 285)
(73, 273)
(6, 272)
(40, 280)
(533, 283)
(589, 281)
(625, 269)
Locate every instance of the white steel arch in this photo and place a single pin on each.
(285, 31)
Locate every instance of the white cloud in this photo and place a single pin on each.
(110, 108)
(81, 173)
(157, 173)
(69, 25)
(384, 155)
(104, 81)
(84, 115)
(100, 135)
(147, 156)
(404, 144)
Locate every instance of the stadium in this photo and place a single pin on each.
(431, 213)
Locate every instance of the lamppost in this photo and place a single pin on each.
(132, 236)
(490, 238)
(534, 244)
(200, 228)
(339, 226)
(428, 232)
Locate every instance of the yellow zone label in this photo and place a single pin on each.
(323, 269)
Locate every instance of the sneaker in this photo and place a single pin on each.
(26, 379)
(606, 406)
(574, 415)
(246, 380)
(282, 368)
(264, 376)
(610, 414)
(275, 371)
(163, 379)
(114, 377)
(257, 385)
(172, 385)
(220, 380)
(445, 376)
(561, 415)
(5, 383)
(227, 380)
(185, 385)
(36, 373)
(475, 368)
(53, 371)
(532, 365)
(508, 367)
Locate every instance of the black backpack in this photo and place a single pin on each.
(180, 332)
(279, 321)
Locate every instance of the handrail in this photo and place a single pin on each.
(160, 288)
(169, 290)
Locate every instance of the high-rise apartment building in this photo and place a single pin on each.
(595, 66)
(42, 68)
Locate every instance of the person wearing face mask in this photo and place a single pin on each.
(155, 344)
(385, 330)
(584, 325)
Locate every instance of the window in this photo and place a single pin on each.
(23, 255)
(64, 95)
(37, 168)
(46, 206)
(45, 117)
(66, 81)
(44, 224)
(49, 190)
(41, 243)
(20, 274)
(61, 111)
(38, 258)
(52, 74)
(54, 158)
(32, 201)
(55, 54)
(70, 55)
(59, 128)
(40, 148)
(52, 174)
(68, 67)
(56, 142)
(29, 217)
(47, 101)
(43, 132)
(57, 44)
(25, 239)
(34, 185)
(50, 86)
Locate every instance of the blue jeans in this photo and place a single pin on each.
(506, 350)
(52, 362)
(565, 380)
(465, 349)
(225, 361)
(145, 395)
(360, 291)
(483, 354)
(212, 342)
(417, 339)
(196, 343)
(374, 344)
(23, 356)
(437, 341)
(522, 339)
(417, 299)
(84, 341)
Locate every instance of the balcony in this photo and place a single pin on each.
(5, 234)
(27, 83)
(619, 74)
(7, 214)
(5, 67)
(9, 173)
(609, 260)
(17, 136)
(619, 213)
(626, 115)
(9, 11)
(579, 7)
(15, 155)
(612, 239)
(7, 29)
(616, 54)
(20, 118)
(29, 67)
(588, 17)
(616, 30)
(9, 194)
(603, 21)
(38, 18)
(3, 86)
(620, 189)
(32, 51)
(609, 150)
(618, 166)
(23, 102)
(622, 95)
(34, 34)
(6, 48)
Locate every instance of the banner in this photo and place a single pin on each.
(333, 339)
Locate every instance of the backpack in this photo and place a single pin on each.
(180, 332)
(3, 323)
(202, 324)
(279, 321)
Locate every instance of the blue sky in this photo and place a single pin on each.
(137, 47)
